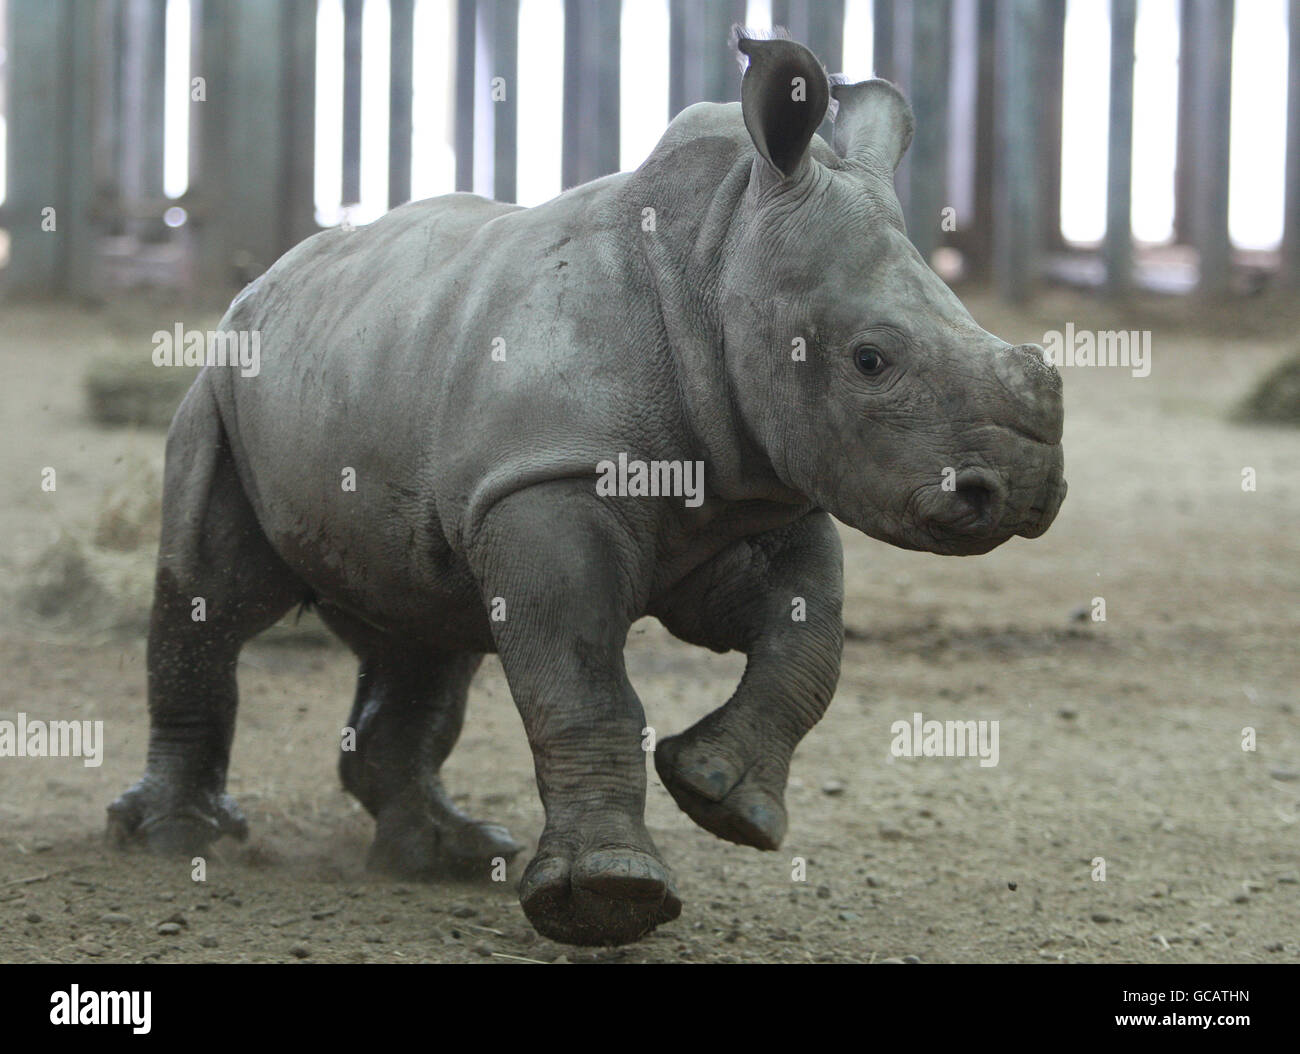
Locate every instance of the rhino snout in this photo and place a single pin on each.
(1034, 387)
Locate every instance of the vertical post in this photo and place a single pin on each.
(977, 230)
(591, 90)
(505, 64)
(882, 39)
(466, 38)
(1213, 107)
(927, 167)
(1117, 248)
(792, 16)
(816, 23)
(401, 62)
(253, 187)
(573, 134)
(1051, 83)
(823, 25)
(141, 127)
(51, 101)
(676, 57)
(1291, 213)
(1015, 189)
(298, 117)
(352, 10)
(78, 180)
(825, 29)
(711, 72)
(1185, 150)
(107, 151)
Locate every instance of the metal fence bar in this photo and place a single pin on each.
(401, 63)
(1212, 103)
(1117, 249)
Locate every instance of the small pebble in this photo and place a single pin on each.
(884, 962)
(92, 949)
(32, 916)
(1067, 713)
(911, 959)
(823, 892)
(115, 918)
(42, 847)
(208, 941)
(890, 834)
(464, 912)
(300, 951)
(1285, 775)
(169, 929)
(1011, 886)
(833, 788)
(1102, 917)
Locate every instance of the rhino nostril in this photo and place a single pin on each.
(977, 499)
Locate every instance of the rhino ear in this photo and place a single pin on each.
(783, 96)
(873, 124)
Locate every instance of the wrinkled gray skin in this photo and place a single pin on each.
(476, 480)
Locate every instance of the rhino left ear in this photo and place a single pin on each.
(783, 96)
(873, 124)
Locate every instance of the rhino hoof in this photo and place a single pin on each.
(613, 895)
(740, 809)
(151, 816)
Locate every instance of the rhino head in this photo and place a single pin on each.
(903, 418)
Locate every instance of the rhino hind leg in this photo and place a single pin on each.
(406, 718)
(218, 583)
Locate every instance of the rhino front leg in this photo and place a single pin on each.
(778, 598)
(559, 564)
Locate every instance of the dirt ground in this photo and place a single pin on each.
(1119, 739)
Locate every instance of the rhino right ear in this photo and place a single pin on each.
(873, 125)
(783, 96)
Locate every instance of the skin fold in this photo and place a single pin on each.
(470, 364)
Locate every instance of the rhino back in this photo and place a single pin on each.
(377, 356)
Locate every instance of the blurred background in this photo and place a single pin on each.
(1123, 167)
(192, 142)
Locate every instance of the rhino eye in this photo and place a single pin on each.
(869, 359)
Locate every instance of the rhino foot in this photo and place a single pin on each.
(743, 806)
(414, 845)
(155, 815)
(614, 894)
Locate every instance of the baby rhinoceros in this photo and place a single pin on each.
(475, 369)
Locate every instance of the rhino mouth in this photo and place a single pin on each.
(979, 515)
(1042, 515)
